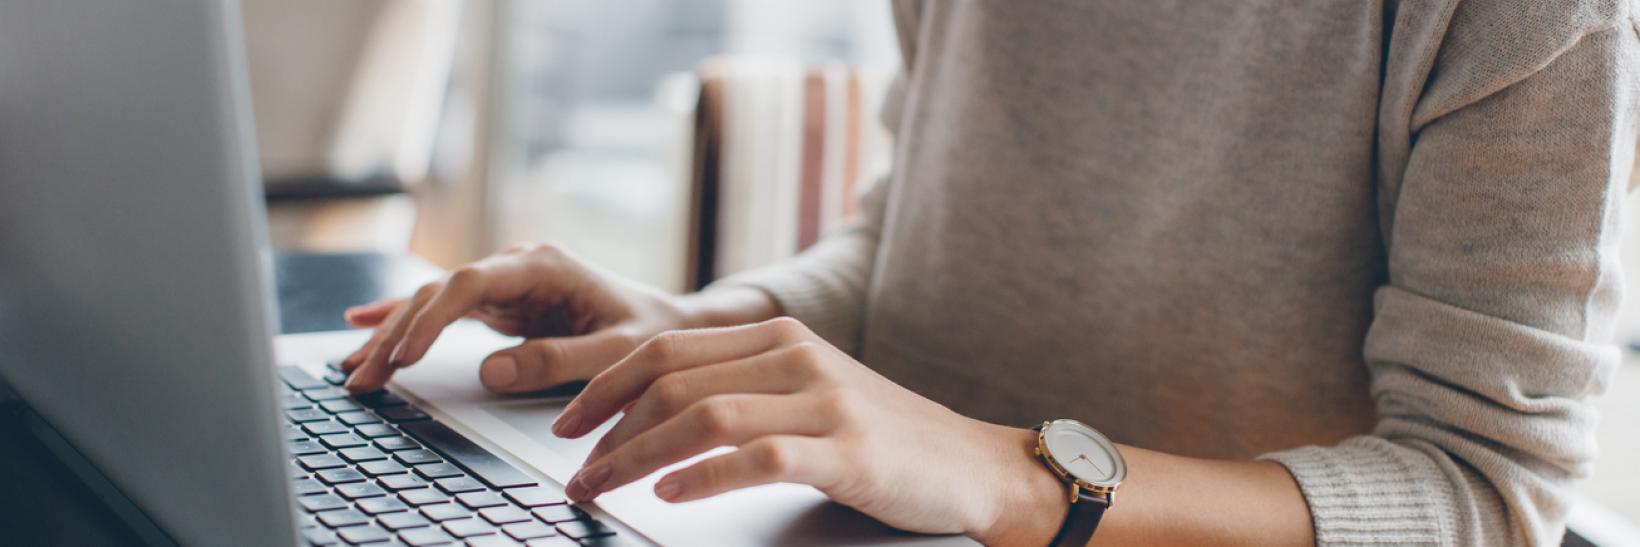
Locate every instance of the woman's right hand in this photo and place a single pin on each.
(576, 319)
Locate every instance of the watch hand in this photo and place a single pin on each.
(1084, 457)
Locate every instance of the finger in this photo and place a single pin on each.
(507, 325)
(778, 458)
(668, 352)
(676, 392)
(374, 371)
(717, 421)
(546, 362)
(372, 314)
(358, 357)
(461, 293)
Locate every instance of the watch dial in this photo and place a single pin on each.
(1083, 453)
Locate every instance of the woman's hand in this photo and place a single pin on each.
(578, 320)
(799, 411)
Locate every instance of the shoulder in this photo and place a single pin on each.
(1483, 46)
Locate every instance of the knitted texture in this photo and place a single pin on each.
(1374, 243)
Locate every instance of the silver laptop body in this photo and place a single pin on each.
(134, 313)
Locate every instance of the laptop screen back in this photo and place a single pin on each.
(134, 304)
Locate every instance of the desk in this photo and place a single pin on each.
(41, 503)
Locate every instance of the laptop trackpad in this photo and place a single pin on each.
(779, 514)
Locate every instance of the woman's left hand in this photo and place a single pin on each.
(802, 411)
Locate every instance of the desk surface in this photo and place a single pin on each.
(42, 503)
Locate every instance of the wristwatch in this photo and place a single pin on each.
(1092, 469)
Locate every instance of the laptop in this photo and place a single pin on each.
(137, 317)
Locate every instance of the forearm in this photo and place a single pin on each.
(1166, 500)
(727, 306)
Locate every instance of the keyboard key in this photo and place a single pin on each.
(382, 467)
(504, 515)
(301, 415)
(373, 431)
(457, 485)
(466, 528)
(439, 470)
(293, 401)
(304, 448)
(555, 514)
(303, 487)
(425, 536)
(394, 444)
(340, 476)
(297, 378)
(401, 521)
(423, 496)
(321, 461)
(358, 418)
(334, 377)
(295, 471)
(536, 496)
(326, 394)
(319, 503)
(417, 457)
(338, 406)
(480, 500)
(440, 512)
(342, 518)
(554, 541)
(293, 432)
(359, 490)
(402, 482)
(399, 414)
(486, 466)
(342, 440)
(580, 529)
(377, 506)
(380, 399)
(319, 536)
(528, 530)
(327, 427)
(364, 534)
(492, 540)
(363, 454)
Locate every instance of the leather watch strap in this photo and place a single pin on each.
(1081, 521)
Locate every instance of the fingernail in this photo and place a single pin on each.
(396, 359)
(585, 484)
(500, 372)
(668, 489)
(568, 422)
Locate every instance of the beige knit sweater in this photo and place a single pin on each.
(1373, 242)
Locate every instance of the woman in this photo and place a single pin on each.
(1326, 272)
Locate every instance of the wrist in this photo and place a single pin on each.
(725, 307)
(1028, 503)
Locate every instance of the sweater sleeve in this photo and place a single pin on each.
(825, 285)
(1490, 335)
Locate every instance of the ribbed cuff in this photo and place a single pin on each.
(1369, 491)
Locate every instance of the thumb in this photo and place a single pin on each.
(542, 363)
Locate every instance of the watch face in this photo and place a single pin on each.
(1084, 453)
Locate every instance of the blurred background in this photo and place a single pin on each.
(670, 142)
(626, 130)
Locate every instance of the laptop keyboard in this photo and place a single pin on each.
(374, 469)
